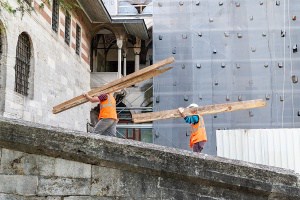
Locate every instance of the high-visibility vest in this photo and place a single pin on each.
(198, 132)
(108, 108)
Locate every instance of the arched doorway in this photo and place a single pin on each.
(105, 52)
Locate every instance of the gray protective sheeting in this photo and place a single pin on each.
(227, 51)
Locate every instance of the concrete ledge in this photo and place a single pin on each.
(236, 179)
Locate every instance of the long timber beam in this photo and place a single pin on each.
(202, 110)
(127, 81)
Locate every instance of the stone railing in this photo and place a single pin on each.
(40, 162)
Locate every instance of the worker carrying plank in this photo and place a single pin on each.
(107, 124)
(119, 84)
(202, 110)
(198, 136)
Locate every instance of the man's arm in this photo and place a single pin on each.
(181, 111)
(91, 99)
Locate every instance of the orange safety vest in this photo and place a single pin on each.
(108, 108)
(198, 132)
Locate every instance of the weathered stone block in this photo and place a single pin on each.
(105, 198)
(110, 182)
(19, 163)
(86, 198)
(1, 172)
(63, 186)
(9, 197)
(16, 184)
(72, 169)
(18, 197)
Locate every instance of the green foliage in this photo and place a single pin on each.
(24, 6)
(5, 5)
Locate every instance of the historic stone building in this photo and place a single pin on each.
(51, 54)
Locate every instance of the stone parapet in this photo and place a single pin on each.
(77, 165)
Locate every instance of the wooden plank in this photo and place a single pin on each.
(103, 90)
(97, 91)
(202, 110)
(148, 69)
(129, 83)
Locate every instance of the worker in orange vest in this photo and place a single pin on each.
(198, 136)
(108, 114)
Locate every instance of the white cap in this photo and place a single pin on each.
(193, 105)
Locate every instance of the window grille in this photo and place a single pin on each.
(28, 2)
(67, 27)
(1, 44)
(22, 64)
(78, 38)
(55, 15)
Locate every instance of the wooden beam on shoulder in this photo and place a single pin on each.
(124, 82)
(202, 110)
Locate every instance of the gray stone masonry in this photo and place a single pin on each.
(48, 163)
(57, 73)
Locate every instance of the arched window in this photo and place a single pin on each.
(22, 67)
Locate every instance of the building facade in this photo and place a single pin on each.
(44, 61)
(51, 55)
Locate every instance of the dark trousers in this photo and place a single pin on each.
(197, 147)
(106, 127)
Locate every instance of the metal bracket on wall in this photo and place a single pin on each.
(174, 50)
(200, 97)
(157, 99)
(295, 79)
(240, 98)
(227, 98)
(281, 98)
(251, 113)
(186, 98)
(295, 48)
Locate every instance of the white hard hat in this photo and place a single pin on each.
(193, 105)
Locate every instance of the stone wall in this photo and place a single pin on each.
(40, 162)
(57, 73)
